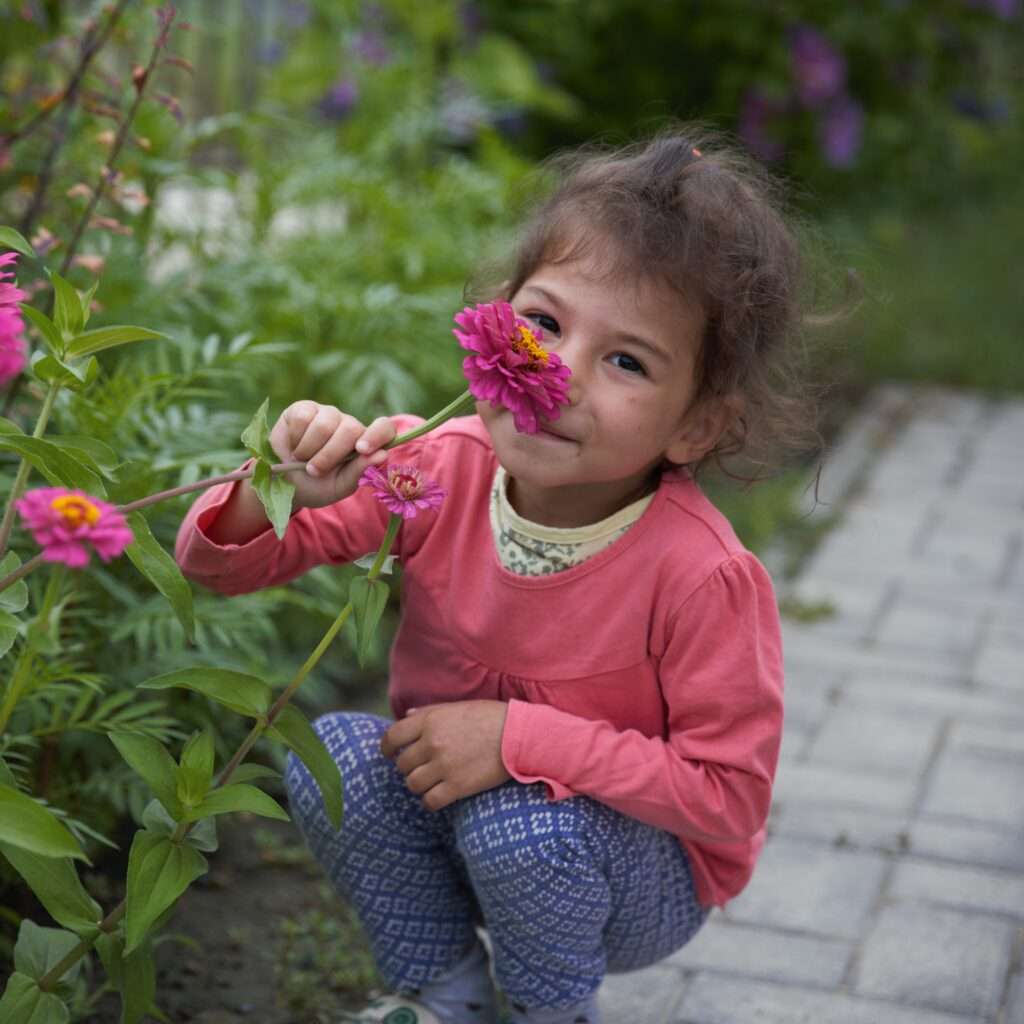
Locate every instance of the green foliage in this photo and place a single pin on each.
(159, 871)
(29, 826)
(274, 491)
(292, 729)
(369, 598)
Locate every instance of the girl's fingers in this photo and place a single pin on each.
(322, 429)
(412, 758)
(290, 426)
(335, 447)
(421, 779)
(379, 433)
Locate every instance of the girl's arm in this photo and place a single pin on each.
(225, 541)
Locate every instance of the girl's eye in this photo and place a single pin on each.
(628, 363)
(546, 323)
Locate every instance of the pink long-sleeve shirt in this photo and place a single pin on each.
(648, 677)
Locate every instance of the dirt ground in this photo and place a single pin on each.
(261, 939)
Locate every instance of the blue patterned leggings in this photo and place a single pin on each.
(567, 891)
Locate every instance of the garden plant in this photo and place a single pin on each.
(401, 166)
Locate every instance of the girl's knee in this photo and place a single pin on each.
(515, 826)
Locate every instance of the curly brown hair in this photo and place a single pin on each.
(686, 208)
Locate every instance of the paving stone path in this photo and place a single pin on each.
(891, 890)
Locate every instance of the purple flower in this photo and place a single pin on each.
(372, 47)
(471, 18)
(1005, 10)
(840, 132)
(819, 69)
(296, 13)
(337, 103)
(758, 114)
(404, 491)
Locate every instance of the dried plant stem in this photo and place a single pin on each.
(92, 43)
(122, 134)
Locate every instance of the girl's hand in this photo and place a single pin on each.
(323, 437)
(449, 751)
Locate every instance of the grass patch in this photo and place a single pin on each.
(939, 302)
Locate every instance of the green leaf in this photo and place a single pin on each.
(195, 775)
(134, 976)
(15, 597)
(39, 949)
(74, 377)
(57, 886)
(60, 468)
(67, 310)
(238, 797)
(87, 298)
(30, 826)
(103, 458)
(138, 979)
(47, 328)
(159, 871)
(275, 493)
(256, 436)
(292, 729)
(242, 693)
(107, 337)
(8, 631)
(148, 556)
(11, 239)
(369, 599)
(24, 1002)
(151, 760)
(248, 772)
(203, 836)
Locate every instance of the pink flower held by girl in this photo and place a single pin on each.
(403, 490)
(12, 327)
(65, 522)
(509, 366)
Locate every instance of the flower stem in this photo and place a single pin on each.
(23, 668)
(24, 468)
(464, 402)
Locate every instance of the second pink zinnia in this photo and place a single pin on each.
(402, 490)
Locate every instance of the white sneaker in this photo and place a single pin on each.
(392, 1010)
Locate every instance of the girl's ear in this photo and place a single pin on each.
(703, 425)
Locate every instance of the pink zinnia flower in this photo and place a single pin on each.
(13, 350)
(64, 522)
(509, 366)
(403, 490)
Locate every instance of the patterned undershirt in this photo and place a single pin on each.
(530, 549)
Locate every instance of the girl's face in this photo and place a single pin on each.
(633, 350)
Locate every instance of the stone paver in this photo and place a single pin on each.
(891, 889)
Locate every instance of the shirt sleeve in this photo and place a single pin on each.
(710, 777)
(333, 534)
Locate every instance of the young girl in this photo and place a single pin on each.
(587, 679)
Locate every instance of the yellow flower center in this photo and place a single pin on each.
(74, 510)
(527, 343)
